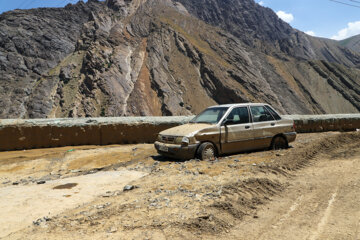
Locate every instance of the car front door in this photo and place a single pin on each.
(264, 126)
(236, 131)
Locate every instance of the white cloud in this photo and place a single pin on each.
(311, 33)
(353, 28)
(287, 17)
(261, 3)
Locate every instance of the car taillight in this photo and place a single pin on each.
(294, 127)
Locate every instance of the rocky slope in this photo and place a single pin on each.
(161, 57)
(353, 43)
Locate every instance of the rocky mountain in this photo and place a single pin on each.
(353, 43)
(163, 57)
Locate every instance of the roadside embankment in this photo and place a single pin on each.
(41, 133)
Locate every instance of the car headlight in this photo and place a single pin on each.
(185, 141)
(159, 138)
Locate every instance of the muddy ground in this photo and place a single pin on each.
(309, 191)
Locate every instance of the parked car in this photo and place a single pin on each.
(227, 129)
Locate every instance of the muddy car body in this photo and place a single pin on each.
(227, 129)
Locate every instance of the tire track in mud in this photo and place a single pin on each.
(357, 232)
(324, 219)
(289, 212)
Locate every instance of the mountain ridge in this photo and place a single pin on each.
(161, 57)
(352, 43)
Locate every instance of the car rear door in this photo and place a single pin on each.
(236, 132)
(264, 126)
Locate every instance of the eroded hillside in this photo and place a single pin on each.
(156, 57)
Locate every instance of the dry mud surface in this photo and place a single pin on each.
(309, 191)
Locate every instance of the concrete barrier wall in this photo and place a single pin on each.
(325, 123)
(42, 133)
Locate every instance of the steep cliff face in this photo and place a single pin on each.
(31, 43)
(161, 57)
(260, 28)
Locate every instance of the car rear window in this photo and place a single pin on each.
(261, 114)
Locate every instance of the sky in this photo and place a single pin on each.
(322, 18)
(7, 5)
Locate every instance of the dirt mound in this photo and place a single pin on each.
(298, 158)
(240, 199)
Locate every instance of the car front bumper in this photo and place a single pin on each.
(176, 151)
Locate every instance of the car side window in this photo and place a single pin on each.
(238, 116)
(275, 115)
(261, 114)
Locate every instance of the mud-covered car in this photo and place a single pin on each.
(227, 129)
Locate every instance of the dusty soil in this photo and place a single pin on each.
(309, 191)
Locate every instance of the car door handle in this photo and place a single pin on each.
(247, 127)
(273, 124)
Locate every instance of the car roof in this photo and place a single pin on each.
(238, 105)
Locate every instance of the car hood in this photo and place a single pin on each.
(187, 130)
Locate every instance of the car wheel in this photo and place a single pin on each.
(279, 142)
(206, 151)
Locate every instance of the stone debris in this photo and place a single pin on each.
(41, 221)
(112, 230)
(102, 206)
(107, 194)
(129, 188)
(232, 165)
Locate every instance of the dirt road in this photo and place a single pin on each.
(309, 191)
(322, 202)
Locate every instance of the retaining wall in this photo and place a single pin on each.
(41, 133)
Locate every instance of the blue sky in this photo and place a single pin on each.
(323, 18)
(6, 5)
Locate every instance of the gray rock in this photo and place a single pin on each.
(112, 230)
(129, 188)
(41, 221)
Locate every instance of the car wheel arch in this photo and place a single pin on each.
(279, 135)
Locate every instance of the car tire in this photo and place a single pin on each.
(206, 151)
(279, 142)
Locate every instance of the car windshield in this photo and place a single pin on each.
(210, 115)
